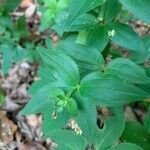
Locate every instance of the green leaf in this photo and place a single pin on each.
(85, 21)
(19, 54)
(112, 130)
(2, 99)
(62, 4)
(2, 96)
(44, 99)
(142, 55)
(50, 3)
(139, 134)
(77, 8)
(147, 121)
(10, 5)
(51, 124)
(7, 57)
(68, 140)
(71, 107)
(98, 38)
(86, 120)
(6, 21)
(45, 76)
(64, 68)
(128, 71)
(139, 8)
(89, 59)
(126, 146)
(111, 10)
(125, 37)
(49, 43)
(82, 37)
(20, 30)
(47, 19)
(110, 91)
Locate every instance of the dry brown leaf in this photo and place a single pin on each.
(31, 146)
(26, 3)
(7, 128)
(30, 11)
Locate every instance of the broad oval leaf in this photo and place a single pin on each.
(64, 68)
(113, 128)
(83, 22)
(124, 36)
(139, 134)
(142, 56)
(51, 125)
(71, 107)
(44, 80)
(87, 58)
(43, 99)
(78, 7)
(68, 140)
(139, 8)
(7, 51)
(126, 146)
(127, 70)
(111, 10)
(110, 91)
(87, 123)
(98, 38)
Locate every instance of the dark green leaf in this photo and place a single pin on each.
(46, 76)
(98, 38)
(147, 121)
(7, 57)
(110, 91)
(19, 54)
(112, 130)
(11, 4)
(68, 140)
(111, 10)
(139, 8)
(65, 69)
(85, 21)
(127, 70)
(52, 125)
(78, 7)
(47, 19)
(139, 135)
(44, 99)
(2, 96)
(72, 107)
(144, 54)
(124, 36)
(87, 58)
(126, 146)
(87, 120)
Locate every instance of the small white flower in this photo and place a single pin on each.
(73, 124)
(54, 115)
(111, 33)
(3, 125)
(78, 131)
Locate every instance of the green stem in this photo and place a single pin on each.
(70, 93)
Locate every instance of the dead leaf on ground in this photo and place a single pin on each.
(31, 146)
(7, 128)
(30, 11)
(26, 3)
